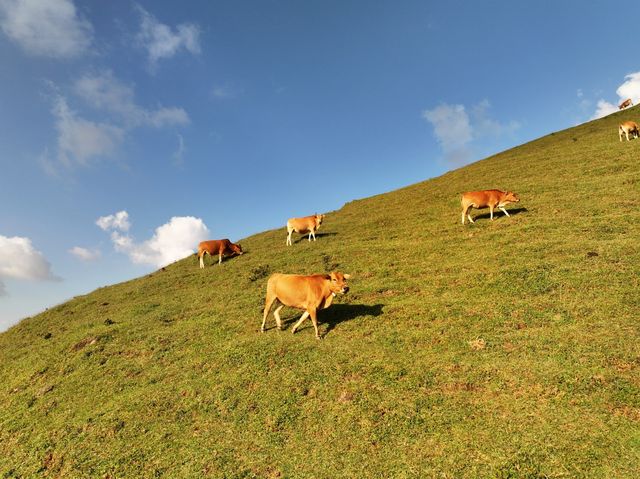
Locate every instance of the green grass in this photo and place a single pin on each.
(504, 349)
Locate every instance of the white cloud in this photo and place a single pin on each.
(117, 221)
(604, 108)
(172, 241)
(452, 130)
(455, 129)
(85, 254)
(224, 92)
(167, 116)
(178, 155)
(20, 260)
(104, 92)
(630, 88)
(50, 28)
(160, 41)
(81, 140)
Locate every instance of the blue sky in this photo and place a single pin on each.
(131, 130)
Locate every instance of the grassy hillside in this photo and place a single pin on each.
(501, 349)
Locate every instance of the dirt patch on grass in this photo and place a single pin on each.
(90, 341)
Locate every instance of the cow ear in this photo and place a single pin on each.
(346, 276)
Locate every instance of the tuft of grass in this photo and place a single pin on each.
(504, 349)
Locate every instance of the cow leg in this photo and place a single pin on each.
(267, 306)
(465, 211)
(220, 258)
(202, 261)
(276, 314)
(310, 233)
(314, 320)
(491, 212)
(302, 318)
(503, 210)
(470, 218)
(289, 232)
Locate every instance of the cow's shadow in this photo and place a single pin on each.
(305, 237)
(336, 314)
(498, 213)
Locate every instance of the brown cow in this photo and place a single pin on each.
(220, 247)
(625, 104)
(628, 127)
(309, 293)
(486, 198)
(306, 224)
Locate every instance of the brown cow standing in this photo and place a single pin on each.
(486, 198)
(310, 293)
(220, 247)
(625, 104)
(628, 127)
(306, 224)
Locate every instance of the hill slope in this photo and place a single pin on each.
(501, 349)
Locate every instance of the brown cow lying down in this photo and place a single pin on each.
(306, 224)
(486, 198)
(309, 293)
(220, 247)
(625, 104)
(628, 127)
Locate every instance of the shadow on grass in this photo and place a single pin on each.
(336, 314)
(213, 260)
(497, 213)
(318, 235)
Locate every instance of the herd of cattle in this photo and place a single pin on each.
(312, 293)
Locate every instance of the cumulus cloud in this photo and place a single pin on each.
(455, 128)
(161, 41)
(20, 260)
(81, 140)
(104, 92)
(171, 241)
(85, 254)
(117, 221)
(50, 28)
(630, 88)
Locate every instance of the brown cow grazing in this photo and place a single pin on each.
(220, 247)
(309, 293)
(307, 224)
(628, 127)
(486, 198)
(625, 104)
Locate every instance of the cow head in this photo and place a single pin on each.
(319, 219)
(338, 282)
(511, 197)
(236, 248)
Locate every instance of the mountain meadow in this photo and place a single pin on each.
(503, 349)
